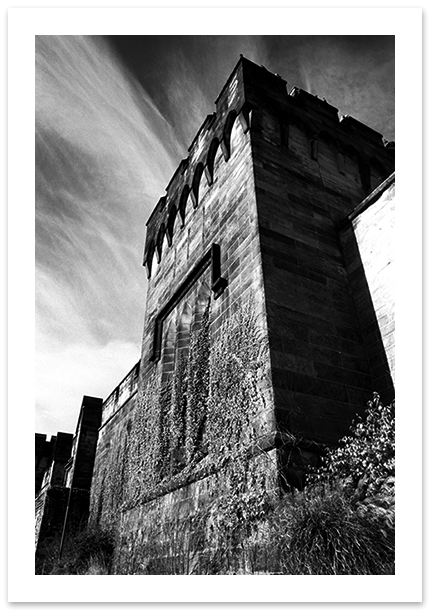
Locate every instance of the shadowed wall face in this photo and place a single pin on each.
(311, 170)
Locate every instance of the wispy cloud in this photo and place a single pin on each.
(352, 74)
(104, 154)
(107, 143)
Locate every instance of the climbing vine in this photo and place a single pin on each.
(198, 389)
(204, 421)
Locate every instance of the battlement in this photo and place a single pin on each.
(121, 394)
(51, 457)
(250, 91)
(309, 102)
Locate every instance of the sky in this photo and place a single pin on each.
(114, 117)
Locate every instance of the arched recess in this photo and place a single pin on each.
(196, 184)
(183, 203)
(183, 332)
(149, 259)
(171, 224)
(160, 239)
(202, 303)
(168, 352)
(226, 137)
(210, 161)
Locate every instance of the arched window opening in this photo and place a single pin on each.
(226, 140)
(149, 259)
(168, 353)
(183, 332)
(171, 224)
(210, 161)
(160, 238)
(196, 184)
(202, 303)
(183, 203)
(218, 160)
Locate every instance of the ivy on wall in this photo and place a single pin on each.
(202, 422)
(205, 417)
(198, 390)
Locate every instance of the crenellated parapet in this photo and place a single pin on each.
(183, 188)
(253, 95)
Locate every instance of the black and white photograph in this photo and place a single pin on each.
(216, 281)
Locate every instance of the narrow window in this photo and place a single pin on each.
(314, 149)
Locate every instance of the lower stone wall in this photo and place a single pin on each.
(196, 528)
(40, 507)
(51, 506)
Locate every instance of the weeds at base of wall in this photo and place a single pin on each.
(86, 553)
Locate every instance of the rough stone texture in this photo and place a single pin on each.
(320, 373)
(160, 529)
(115, 414)
(43, 457)
(51, 459)
(79, 469)
(67, 476)
(51, 506)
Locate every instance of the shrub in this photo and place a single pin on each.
(364, 460)
(343, 523)
(88, 552)
(325, 534)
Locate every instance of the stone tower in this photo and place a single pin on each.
(257, 209)
(259, 216)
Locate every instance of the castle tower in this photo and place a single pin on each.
(259, 218)
(259, 204)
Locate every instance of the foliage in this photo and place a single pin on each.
(87, 552)
(343, 523)
(364, 460)
(198, 389)
(323, 533)
(211, 416)
(236, 400)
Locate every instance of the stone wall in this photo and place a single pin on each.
(310, 171)
(51, 507)
(65, 490)
(183, 532)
